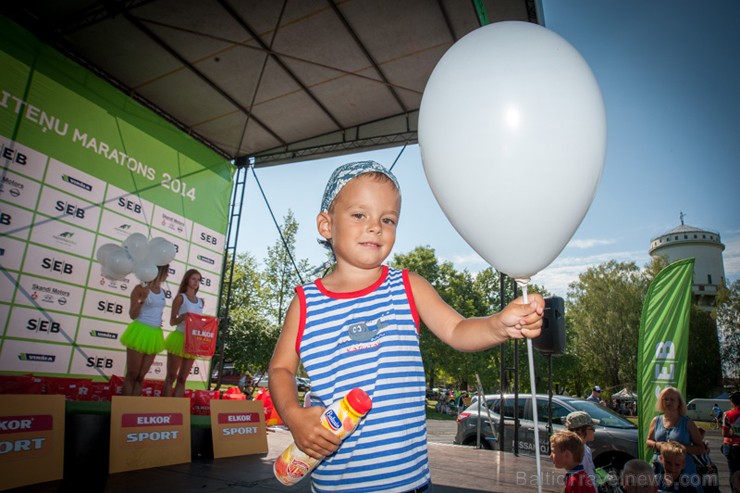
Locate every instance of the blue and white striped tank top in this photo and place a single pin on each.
(368, 339)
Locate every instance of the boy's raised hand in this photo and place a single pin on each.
(308, 433)
(523, 320)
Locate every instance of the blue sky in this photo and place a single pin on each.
(669, 73)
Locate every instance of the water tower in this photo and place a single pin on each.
(704, 245)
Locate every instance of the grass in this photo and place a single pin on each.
(433, 414)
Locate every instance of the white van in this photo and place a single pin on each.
(701, 409)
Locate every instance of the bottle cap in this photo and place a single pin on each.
(359, 401)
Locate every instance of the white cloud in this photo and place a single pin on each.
(589, 243)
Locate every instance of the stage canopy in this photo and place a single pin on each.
(276, 81)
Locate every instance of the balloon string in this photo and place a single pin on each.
(530, 356)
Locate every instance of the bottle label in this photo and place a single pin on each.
(333, 420)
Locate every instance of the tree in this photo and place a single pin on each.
(704, 369)
(603, 311)
(728, 323)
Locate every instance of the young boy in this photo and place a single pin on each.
(566, 451)
(359, 327)
(673, 460)
(638, 477)
(580, 423)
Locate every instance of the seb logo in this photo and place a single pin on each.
(42, 325)
(24, 436)
(206, 238)
(238, 424)
(99, 362)
(110, 307)
(5, 219)
(129, 205)
(163, 422)
(69, 209)
(53, 265)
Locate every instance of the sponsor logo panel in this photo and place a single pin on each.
(22, 159)
(208, 238)
(41, 261)
(200, 258)
(75, 182)
(68, 208)
(11, 253)
(158, 370)
(171, 223)
(26, 423)
(128, 204)
(120, 287)
(48, 295)
(34, 357)
(63, 236)
(106, 306)
(15, 221)
(19, 190)
(96, 361)
(100, 333)
(120, 227)
(30, 323)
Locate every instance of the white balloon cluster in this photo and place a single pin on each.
(135, 254)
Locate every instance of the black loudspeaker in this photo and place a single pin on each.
(552, 336)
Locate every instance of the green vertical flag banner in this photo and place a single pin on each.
(663, 341)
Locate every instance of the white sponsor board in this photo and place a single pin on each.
(61, 266)
(48, 295)
(121, 287)
(106, 306)
(128, 204)
(68, 208)
(22, 159)
(62, 236)
(208, 238)
(74, 181)
(15, 221)
(34, 357)
(42, 326)
(19, 190)
(98, 362)
(119, 227)
(200, 258)
(11, 253)
(7, 288)
(101, 333)
(169, 222)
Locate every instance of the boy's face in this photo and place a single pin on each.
(362, 222)
(562, 459)
(673, 465)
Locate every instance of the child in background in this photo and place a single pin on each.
(673, 479)
(638, 477)
(359, 327)
(566, 451)
(580, 423)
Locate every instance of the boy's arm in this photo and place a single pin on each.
(304, 424)
(516, 320)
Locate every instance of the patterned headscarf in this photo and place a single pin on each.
(343, 174)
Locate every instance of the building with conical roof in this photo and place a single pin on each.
(705, 246)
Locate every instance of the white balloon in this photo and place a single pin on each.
(512, 132)
(136, 244)
(119, 263)
(109, 275)
(145, 271)
(161, 251)
(105, 250)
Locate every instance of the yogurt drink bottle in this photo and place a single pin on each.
(341, 418)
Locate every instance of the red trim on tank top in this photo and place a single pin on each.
(410, 295)
(301, 318)
(354, 294)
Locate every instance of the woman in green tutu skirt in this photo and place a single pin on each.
(143, 337)
(179, 363)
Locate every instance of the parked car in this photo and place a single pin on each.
(701, 409)
(231, 376)
(614, 444)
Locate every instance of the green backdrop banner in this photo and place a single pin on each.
(663, 341)
(84, 165)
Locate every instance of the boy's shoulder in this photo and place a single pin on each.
(579, 482)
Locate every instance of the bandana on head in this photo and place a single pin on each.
(343, 174)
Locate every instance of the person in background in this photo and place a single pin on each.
(358, 326)
(580, 423)
(595, 395)
(674, 425)
(717, 415)
(638, 477)
(674, 477)
(179, 363)
(143, 337)
(731, 434)
(566, 451)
